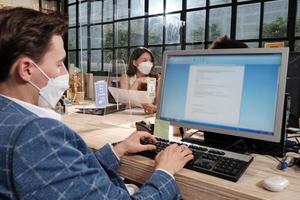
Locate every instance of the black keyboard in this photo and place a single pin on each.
(220, 163)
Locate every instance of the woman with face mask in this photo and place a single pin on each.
(140, 66)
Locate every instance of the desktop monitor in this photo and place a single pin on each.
(237, 93)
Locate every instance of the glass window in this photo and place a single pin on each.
(83, 42)
(219, 26)
(173, 47)
(275, 19)
(194, 46)
(137, 8)
(108, 10)
(83, 13)
(83, 61)
(137, 32)
(121, 61)
(108, 60)
(217, 2)
(248, 17)
(155, 30)
(95, 60)
(156, 7)
(71, 58)
(173, 5)
(121, 34)
(122, 9)
(173, 28)
(195, 26)
(252, 44)
(72, 38)
(72, 15)
(195, 3)
(95, 36)
(297, 28)
(297, 45)
(107, 35)
(71, 1)
(157, 53)
(96, 12)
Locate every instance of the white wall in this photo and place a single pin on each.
(24, 3)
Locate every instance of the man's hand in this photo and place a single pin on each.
(173, 158)
(132, 144)
(149, 108)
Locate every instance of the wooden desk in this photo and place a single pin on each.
(99, 130)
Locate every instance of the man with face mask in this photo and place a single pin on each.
(40, 157)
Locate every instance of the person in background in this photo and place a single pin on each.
(226, 43)
(140, 66)
(41, 157)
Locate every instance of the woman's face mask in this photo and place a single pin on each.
(145, 67)
(52, 92)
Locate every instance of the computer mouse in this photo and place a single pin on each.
(275, 183)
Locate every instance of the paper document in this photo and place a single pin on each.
(134, 98)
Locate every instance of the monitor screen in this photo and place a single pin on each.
(238, 92)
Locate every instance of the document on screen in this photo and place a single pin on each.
(214, 93)
(134, 98)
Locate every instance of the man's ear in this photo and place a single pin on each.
(24, 68)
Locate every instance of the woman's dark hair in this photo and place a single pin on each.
(26, 32)
(131, 71)
(226, 43)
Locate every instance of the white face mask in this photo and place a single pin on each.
(52, 92)
(145, 67)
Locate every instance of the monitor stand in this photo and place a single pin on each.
(247, 145)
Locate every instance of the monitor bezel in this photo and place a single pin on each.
(276, 136)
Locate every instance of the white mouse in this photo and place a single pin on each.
(275, 183)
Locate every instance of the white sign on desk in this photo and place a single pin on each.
(101, 97)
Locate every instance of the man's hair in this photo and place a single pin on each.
(26, 32)
(226, 43)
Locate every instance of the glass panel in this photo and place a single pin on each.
(121, 34)
(195, 3)
(107, 10)
(121, 61)
(71, 58)
(217, 2)
(71, 1)
(197, 46)
(243, 0)
(72, 38)
(297, 28)
(122, 9)
(82, 37)
(83, 61)
(96, 12)
(195, 26)
(137, 8)
(107, 35)
(219, 26)
(72, 15)
(248, 17)
(173, 28)
(157, 53)
(173, 5)
(83, 13)
(252, 44)
(156, 6)
(156, 30)
(297, 45)
(108, 58)
(96, 36)
(177, 47)
(275, 19)
(137, 32)
(95, 60)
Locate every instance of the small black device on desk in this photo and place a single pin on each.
(220, 163)
(111, 108)
(143, 126)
